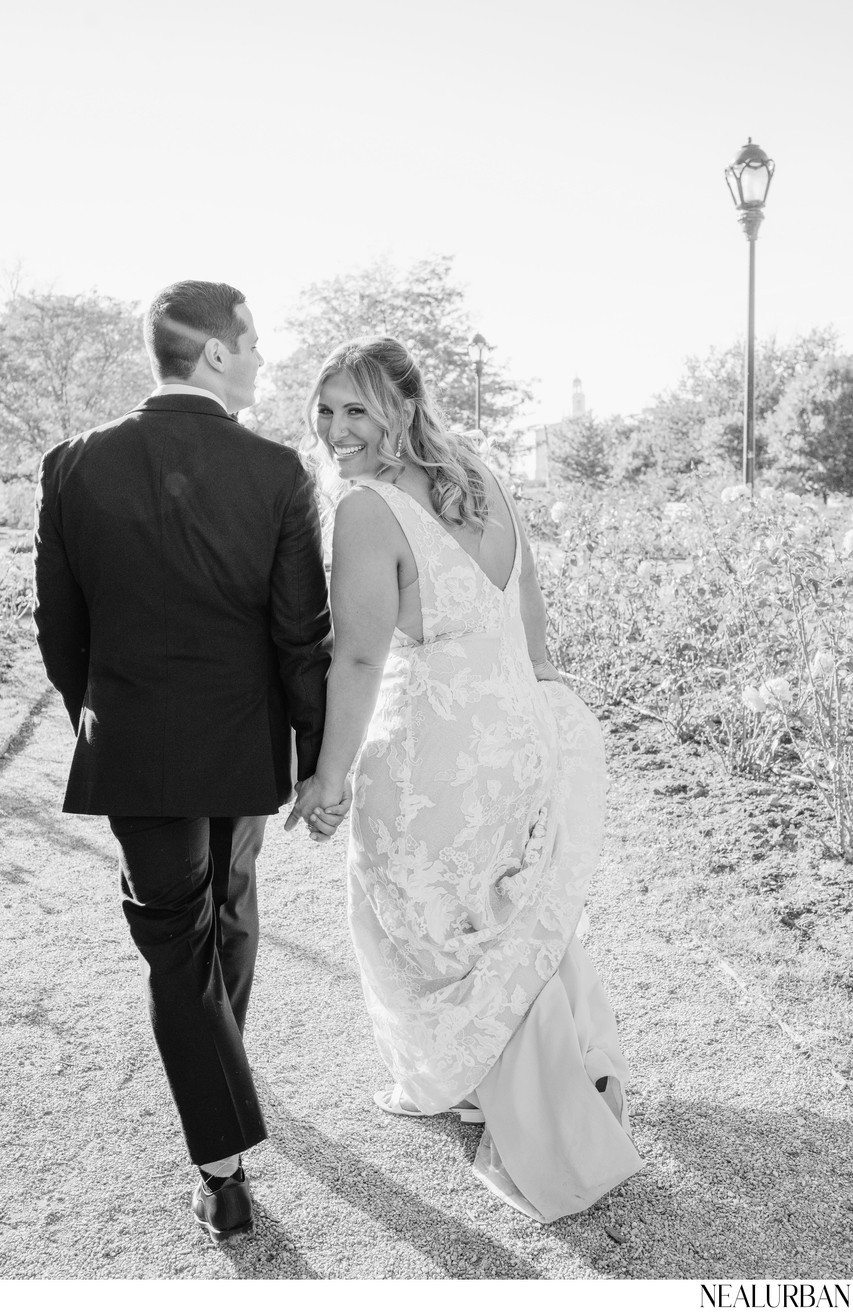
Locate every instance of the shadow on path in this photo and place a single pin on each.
(268, 1248)
(19, 740)
(62, 832)
(458, 1250)
(323, 961)
(724, 1184)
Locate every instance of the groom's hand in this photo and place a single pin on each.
(320, 813)
(295, 814)
(324, 820)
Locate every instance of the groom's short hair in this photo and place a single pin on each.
(185, 315)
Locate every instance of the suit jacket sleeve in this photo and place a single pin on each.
(301, 625)
(60, 613)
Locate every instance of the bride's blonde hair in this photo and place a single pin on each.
(385, 378)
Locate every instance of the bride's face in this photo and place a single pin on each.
(348, 432)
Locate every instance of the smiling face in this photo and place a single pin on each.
(346, 429)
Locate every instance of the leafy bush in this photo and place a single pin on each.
(726, 618)
(16, 502)
(15, 592)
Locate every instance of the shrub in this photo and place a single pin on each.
(725, 617)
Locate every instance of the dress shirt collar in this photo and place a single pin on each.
(184, 389)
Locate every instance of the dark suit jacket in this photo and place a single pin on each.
(181, 611)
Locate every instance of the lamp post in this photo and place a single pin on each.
(749, 177)
(478, 350)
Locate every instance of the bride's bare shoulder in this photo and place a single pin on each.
(363, 514)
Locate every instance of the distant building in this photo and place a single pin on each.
(530, 458)
(531, 462)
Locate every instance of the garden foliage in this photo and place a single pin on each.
(423, 306)
(727, 618)
(67, 363)
(803, 422)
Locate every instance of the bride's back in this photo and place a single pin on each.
(494, 547)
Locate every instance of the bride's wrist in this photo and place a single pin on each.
(331, 784)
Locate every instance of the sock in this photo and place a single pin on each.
(223, 1166)
(213, 1183)
(214, 1174)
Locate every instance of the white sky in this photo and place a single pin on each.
(570, 155)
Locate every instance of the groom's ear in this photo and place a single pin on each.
(214, 353)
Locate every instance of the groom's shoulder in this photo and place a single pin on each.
(258, 440)
(277, 455)
(72, 447)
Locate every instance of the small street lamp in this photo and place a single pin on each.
(749, 177)
(478, 351)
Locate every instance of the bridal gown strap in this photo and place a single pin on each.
(476, 826)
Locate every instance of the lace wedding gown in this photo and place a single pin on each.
(476, 825)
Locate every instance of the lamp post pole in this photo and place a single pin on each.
(749, 382)
(749, 179)
(478, 348)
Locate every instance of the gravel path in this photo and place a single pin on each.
(747, 1142)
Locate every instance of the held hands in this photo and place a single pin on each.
(321, 809)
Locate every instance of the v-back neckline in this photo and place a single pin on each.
(433, 519)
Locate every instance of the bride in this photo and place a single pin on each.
(478, 798)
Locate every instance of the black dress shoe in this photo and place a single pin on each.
(226, 1211)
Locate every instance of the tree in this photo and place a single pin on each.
(699, 423)
(810, 434)
(637, 455)
(666, 439)
(582, 449)
(66, 364)
(421, 306)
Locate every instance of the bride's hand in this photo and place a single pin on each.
(321, 809)
(323, 821)
(545, 670)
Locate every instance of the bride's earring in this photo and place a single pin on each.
(399, 451)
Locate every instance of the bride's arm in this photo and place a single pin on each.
(365, 602)
(533, 612)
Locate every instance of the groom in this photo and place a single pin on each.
(181, 611)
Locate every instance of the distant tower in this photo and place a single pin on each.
(578, 399)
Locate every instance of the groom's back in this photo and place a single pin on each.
(171, 528)
(171, 519)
